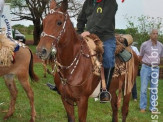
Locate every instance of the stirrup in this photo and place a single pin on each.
(104, 100)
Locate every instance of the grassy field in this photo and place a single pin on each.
(49, 107)
(29, 37)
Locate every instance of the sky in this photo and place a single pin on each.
(134, 8)
(137, 8)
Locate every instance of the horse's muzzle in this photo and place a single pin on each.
(42, 53)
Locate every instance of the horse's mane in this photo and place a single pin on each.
(6, 50)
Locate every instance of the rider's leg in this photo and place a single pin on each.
(108, 64)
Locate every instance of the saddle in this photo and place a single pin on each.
(123, 43)
(8, 47)
(95, 46)
(96, 50)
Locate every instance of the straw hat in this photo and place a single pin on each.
(129, 38)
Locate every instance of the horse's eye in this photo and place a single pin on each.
(59, 23)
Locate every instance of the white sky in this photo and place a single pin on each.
(137, 8)
(134, 8)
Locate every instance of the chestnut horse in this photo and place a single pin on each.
(74, 77)
(22, 67)
(124, 84)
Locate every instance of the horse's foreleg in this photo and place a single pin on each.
(82, 109)
(114, 104)
(25, 83)
(70, 111)
(9, 81)
(125, 106)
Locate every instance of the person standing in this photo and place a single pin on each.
(134, 89)
(98, 17)
(150, 53)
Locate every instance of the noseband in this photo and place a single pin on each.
(44, 34)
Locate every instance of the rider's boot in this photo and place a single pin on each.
(52, 87)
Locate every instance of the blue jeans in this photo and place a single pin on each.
(109, 53)
(149, 74)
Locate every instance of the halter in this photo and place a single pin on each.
(44, 34)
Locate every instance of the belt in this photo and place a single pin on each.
(154, 65)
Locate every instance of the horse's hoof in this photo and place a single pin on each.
(7, 116)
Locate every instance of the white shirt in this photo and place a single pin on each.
(135, 49)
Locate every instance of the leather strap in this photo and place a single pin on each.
(103, 79)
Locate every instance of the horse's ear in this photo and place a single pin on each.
(53, 4)
(64, 6)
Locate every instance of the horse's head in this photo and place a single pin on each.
(53, 30)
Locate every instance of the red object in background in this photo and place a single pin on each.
(122, 1)
(98, 1)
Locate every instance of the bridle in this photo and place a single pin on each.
(58, 37)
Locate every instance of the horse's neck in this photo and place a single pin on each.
(70, 49)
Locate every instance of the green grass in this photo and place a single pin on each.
(33, 48)
(49, 107)
(29, 37)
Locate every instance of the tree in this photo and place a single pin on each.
(30, 10)
(35, 10)
(140, 27)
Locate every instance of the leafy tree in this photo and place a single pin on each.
(32, 10)
(35, 10)
(7, 1)
(140, 27)
(30, 29)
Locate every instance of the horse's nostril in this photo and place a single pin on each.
(44, 51)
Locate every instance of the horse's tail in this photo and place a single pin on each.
(32, 74)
